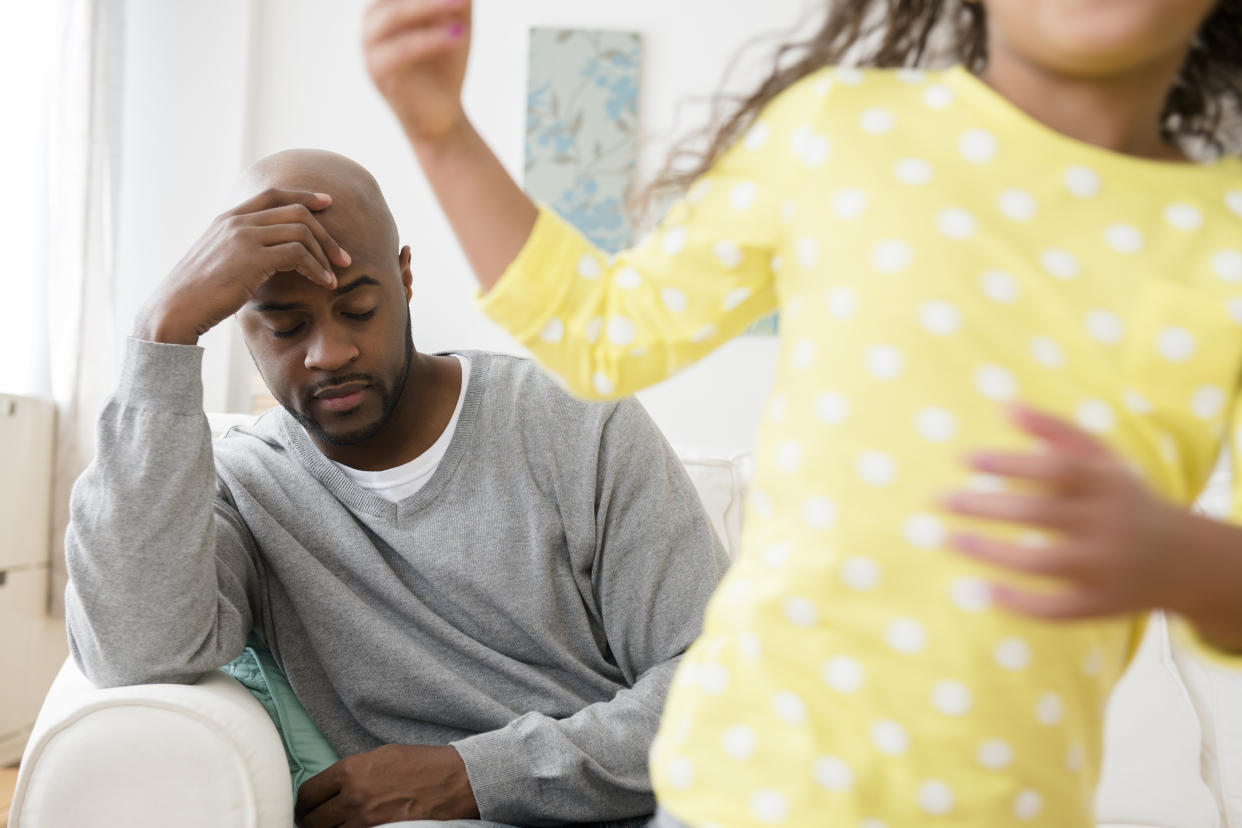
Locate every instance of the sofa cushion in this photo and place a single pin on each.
(1152, 745)
(720, 484)
(306, 749)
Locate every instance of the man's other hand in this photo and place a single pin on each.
(272, 232)
(388, 784)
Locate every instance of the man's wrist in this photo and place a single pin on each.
(158, 324)
(463, 792)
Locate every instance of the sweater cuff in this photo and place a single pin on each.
(536, 281)
(501, 775)
(159, 375)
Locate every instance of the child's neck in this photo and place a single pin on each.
(1119, 112)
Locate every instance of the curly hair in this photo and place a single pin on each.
(1202, 106)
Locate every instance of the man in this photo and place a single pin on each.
(478, 587)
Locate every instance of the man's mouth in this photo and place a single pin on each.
(341, 397)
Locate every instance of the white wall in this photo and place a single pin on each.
(208, 92)
(185, 120)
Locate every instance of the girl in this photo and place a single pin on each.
(1025, 223)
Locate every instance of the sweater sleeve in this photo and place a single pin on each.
(161, 575)
(656, 563)
(608, 326)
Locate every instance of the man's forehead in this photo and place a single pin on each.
(292, 288)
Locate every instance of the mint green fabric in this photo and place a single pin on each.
(306, 749)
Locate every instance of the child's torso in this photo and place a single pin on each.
(942, 259)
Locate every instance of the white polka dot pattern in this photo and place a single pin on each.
(978, 146)
(769, 806)
(739, 742)
(553, 332)
(924, 531)
(995, 754)
(833, 773)
(932, 262)
(849, 203)
(935, 798)
(913, 171)
(844, 674)
(891, 256)
(889, 737)
(952, 698)
(1082, 181)
(905, 635)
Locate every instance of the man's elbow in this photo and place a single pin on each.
(117, 664)
(105, 673)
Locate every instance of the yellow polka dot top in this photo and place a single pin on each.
(933, 253)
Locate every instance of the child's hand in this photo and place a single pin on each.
(1108, 539)
(416, 54)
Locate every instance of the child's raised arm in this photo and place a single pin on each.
(416, 52)
(606, 325)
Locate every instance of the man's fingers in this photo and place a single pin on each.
(278, 234)
(317, 790)
(1056, 431)
(1029, 510)
(1049, 561)
(387, 17)
(293, 256)
(301, 214)
(1056, 606)
(330, 814)
(277, 197)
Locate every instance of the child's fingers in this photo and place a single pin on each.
(1016, 557)
(413, 47)
(1056, 431)
(1054, 606)
(1029, 510)
(1056, 469)
(385, 18)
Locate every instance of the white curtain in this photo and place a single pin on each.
(56, 336)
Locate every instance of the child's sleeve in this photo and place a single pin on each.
(608, 326)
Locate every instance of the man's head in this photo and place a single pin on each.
(337, 360)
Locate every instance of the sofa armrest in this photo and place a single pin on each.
(204, 754)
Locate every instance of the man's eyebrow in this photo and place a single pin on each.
(356, 283)
(277, 307)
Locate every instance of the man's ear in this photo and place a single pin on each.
(407, 275)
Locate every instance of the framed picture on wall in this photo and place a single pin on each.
(582, 128)
(582, 132)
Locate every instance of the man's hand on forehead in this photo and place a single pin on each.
(274, 231)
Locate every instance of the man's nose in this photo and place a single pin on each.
(330, 348)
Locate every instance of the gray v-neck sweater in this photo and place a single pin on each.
(528, 605)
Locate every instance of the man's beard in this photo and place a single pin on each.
(389, 397)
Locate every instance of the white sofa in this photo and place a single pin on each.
(207, 755)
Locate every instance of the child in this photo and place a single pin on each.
(1023, 224)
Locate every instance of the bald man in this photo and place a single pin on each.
(477, 586)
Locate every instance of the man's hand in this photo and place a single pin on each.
(388, 784)
(1111, 542)
(416, 53)
(273, 232)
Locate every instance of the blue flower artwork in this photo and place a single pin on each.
(582, 128)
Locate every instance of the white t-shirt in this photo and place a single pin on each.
(398, 483)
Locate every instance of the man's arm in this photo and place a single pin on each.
(657, 563)
(162, 578)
